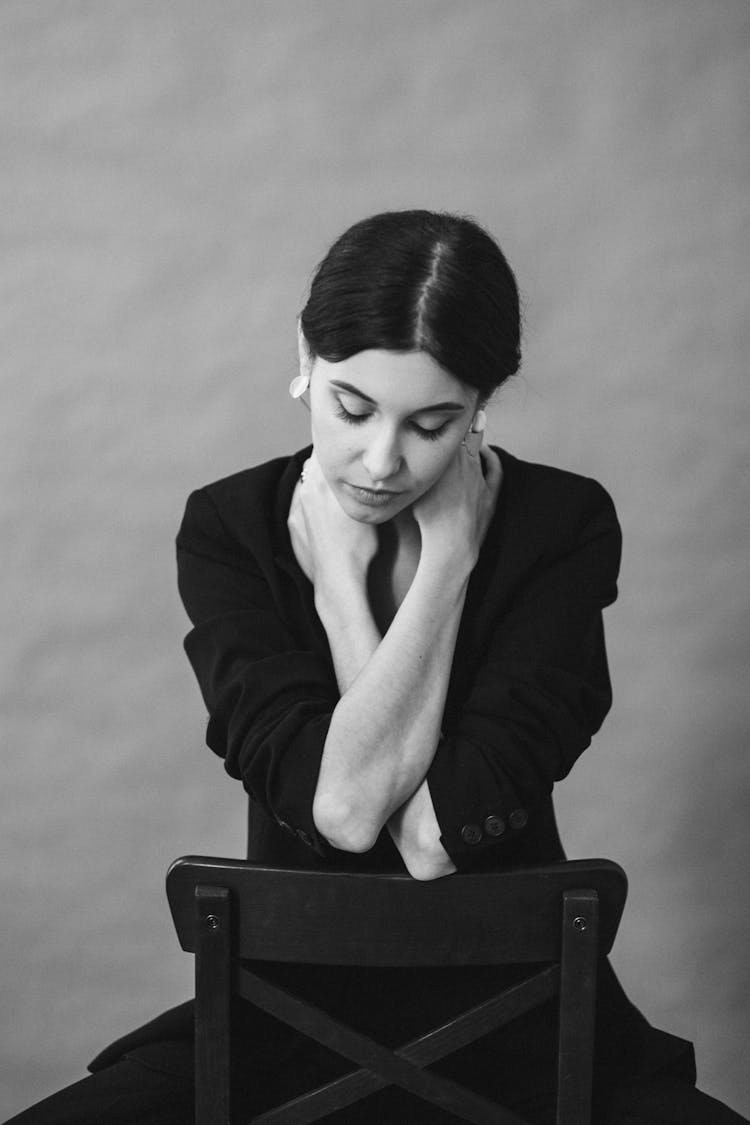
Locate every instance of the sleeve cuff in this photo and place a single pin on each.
(474, 811)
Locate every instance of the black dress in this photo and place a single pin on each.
(529, 687)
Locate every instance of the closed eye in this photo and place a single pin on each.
(420, 431)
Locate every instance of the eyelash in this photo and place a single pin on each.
(358, 419)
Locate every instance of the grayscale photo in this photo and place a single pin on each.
(375, 673)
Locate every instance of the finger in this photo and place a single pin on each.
(493, 469)
(472, 443)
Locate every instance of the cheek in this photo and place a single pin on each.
(430, 462)
(324, 437)
(333, 446)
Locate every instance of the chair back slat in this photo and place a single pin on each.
(344, 918)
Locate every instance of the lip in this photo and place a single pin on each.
(374, 498)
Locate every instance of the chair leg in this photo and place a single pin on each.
(578, 969)
(212, 1005)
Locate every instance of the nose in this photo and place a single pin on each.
(382, 458)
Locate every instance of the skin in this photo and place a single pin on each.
(390, 581)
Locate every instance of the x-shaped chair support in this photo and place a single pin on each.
(381, 1066)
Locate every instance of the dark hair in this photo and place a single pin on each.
(418, 281)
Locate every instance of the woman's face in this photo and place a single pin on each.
(385, 426)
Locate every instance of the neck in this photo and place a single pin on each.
(403, 528)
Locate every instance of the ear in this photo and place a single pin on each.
(303, 351)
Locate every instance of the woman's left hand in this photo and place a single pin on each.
(454, 514)
(330, 546)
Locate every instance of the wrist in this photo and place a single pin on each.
(446, 566)
(343, 595)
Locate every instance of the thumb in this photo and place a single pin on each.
(493, 470)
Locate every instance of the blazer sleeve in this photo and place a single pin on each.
(540, 692)
(269, 699)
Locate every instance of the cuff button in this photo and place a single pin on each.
(494, 825)
(471, 833)
(518, 818)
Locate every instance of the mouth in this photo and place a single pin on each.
(375, 498)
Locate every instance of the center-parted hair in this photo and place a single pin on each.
(418, 281)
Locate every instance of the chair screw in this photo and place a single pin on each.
(580, 923)
(212, 922)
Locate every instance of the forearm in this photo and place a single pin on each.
(352, 633)
(386, 727)
(353, 637)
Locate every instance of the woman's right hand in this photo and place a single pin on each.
(454, 514)
(330, 546)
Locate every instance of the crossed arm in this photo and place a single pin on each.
(386, 727)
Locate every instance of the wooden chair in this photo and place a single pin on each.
(231, 912)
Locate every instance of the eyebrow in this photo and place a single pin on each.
(443, 407)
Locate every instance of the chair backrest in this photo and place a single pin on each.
(367, 919)
(230, 913)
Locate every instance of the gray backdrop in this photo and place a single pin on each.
(170, 174)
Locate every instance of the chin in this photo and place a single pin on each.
(372, 516)
(362, 513)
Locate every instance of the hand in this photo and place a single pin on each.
(454, 514)
(329, 545)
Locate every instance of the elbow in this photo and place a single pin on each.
(339, 823)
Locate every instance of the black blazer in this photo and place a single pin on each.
(529, 684)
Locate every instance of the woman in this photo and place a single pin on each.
(398, 636)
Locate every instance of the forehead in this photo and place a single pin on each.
(402, 381)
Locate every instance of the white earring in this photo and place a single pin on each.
(299, 385)
(479, 423)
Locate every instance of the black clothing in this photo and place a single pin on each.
(131, 1093)
(529, 687)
